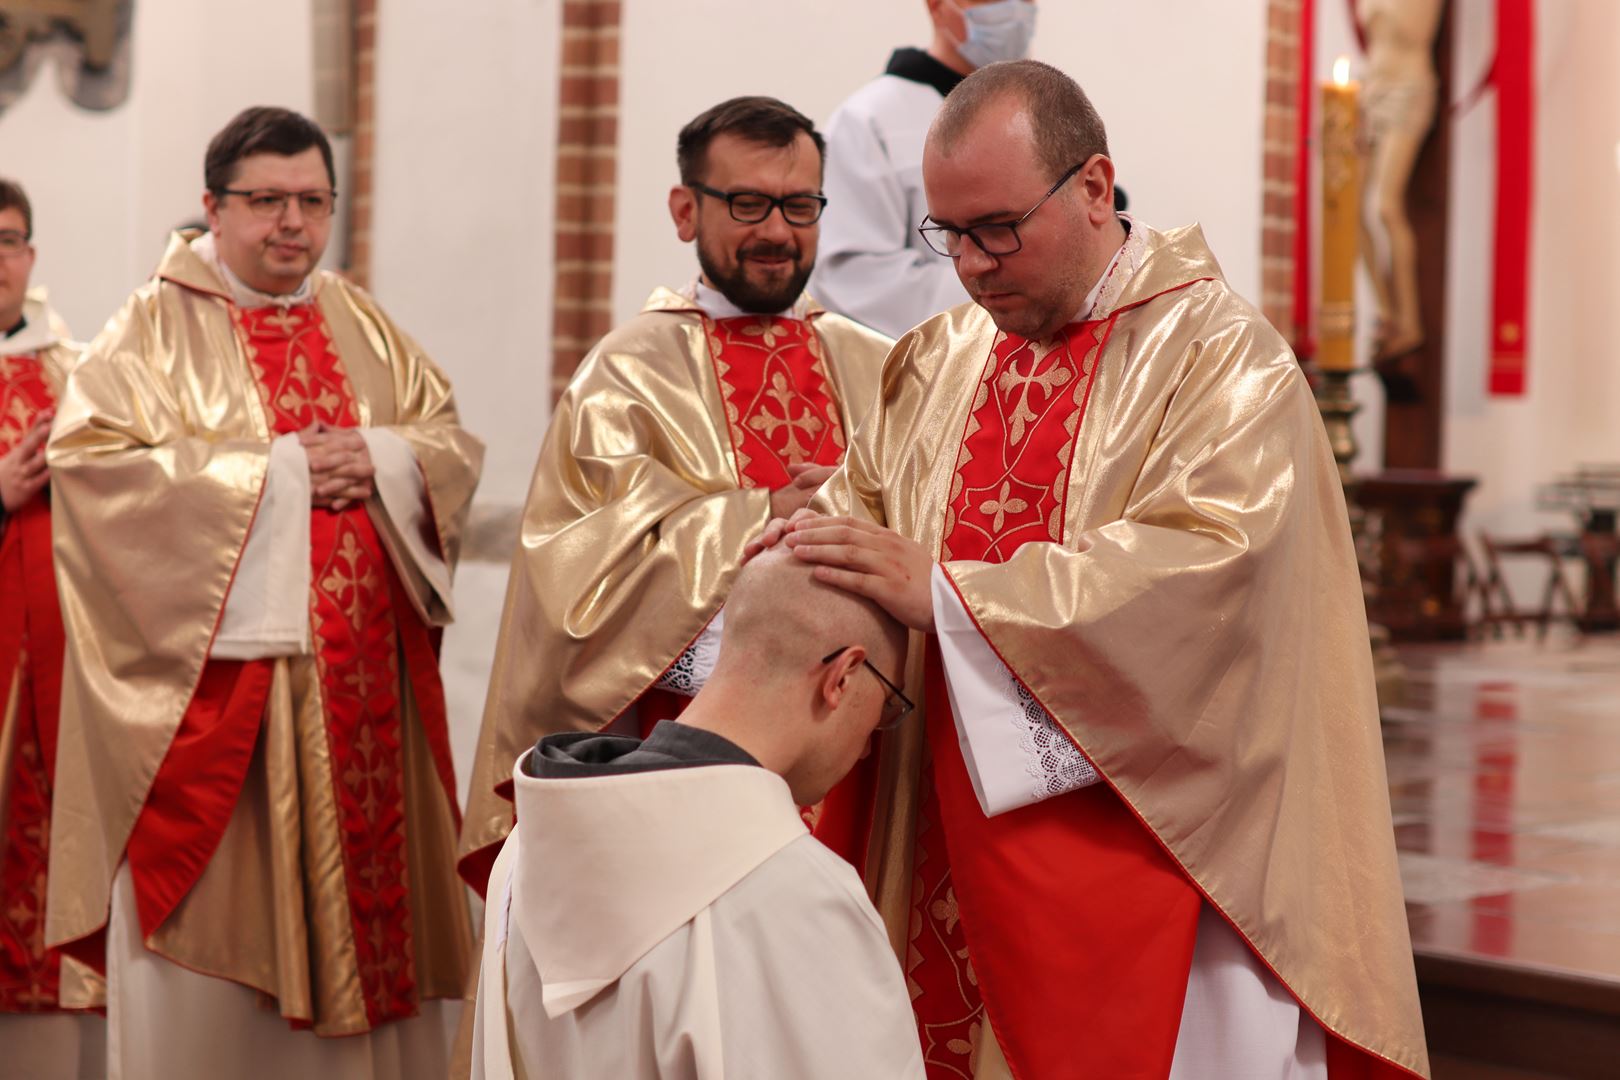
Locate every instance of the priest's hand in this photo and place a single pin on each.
(807, 480)
(340, 468)
(22, 469)
(775, 529)
(891, 570)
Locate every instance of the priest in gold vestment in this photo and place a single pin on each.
(260, 484)
(1143, 822)
(682, 434)
(46, 1024)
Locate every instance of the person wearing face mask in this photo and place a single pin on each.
(719, 406)
(259, 485)
(874, 267)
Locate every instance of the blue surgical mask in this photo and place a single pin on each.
(998, 31)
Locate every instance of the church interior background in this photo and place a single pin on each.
(503, 168)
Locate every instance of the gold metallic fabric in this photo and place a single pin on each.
(632, 533)
(1201, 633)
(272, 907)
(158, 460)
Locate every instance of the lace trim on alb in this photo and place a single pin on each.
(1054, 764)
(694, 666)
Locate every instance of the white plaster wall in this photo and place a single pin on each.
(1184, 118)
(463, 208)
(1180, 85)
(107, 187)
(1569, 414)
(462, 233)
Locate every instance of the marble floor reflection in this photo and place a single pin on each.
(1504, 768)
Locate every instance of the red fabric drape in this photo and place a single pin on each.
(1304, 339)
(31, 645)
(1513, 75)
(1026, 886)
(196, 788)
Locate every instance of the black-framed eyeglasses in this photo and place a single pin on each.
(317, 203)
(13, 242)
(753, 207)
(896, 706)
(998, 238)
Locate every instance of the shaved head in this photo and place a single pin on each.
(791, 685)
(779, 618)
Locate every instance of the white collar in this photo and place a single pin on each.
(683, 837)
(39, 333)
(716, 306)
(245, 295)
(1126, 260)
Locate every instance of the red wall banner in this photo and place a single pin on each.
(1513, 75)
(1304, 339)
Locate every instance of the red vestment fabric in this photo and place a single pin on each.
(363, 627)
(31, 644)
(1030, 888)
(1067, 918)
(1513, 74)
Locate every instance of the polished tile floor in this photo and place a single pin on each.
(1504, 768)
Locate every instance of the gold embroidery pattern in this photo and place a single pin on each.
(24, 394)
(1017, 446)
(301, 380)
(777, 397)
(300, 377)
(939, 974)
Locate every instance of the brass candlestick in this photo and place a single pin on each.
(1338, 407)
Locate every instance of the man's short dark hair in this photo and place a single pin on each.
(762, 120)
(263, 129)
(1066, 126)
(13, 197)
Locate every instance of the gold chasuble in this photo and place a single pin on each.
(1144, 521)
(33, 979)
(656, 470)
(289, 822)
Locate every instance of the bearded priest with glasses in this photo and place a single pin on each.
(1141, 826)
(260, 485)
(722, 405)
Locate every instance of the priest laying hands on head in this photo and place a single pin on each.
(713, 935)
(1143, 810)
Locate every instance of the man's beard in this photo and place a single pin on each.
(756, 299)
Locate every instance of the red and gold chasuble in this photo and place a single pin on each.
(988, 891)
(780, 411)
(364, 628)
(773, 379)
(31, 644)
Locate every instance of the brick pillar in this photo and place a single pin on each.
(1281, 149)
(358, 193)
(587, 161)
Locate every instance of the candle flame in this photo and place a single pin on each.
(1341, 71)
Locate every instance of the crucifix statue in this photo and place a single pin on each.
(1401, 95)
